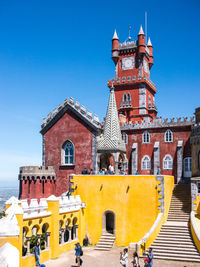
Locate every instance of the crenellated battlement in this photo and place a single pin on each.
(131, 80)
(37, 172)
(75, 105)
(158, 123)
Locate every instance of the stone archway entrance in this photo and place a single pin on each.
(106, 159)
(108, 222)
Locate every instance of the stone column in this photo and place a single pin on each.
(134, 163)
(62, 236)
(28, 238)
(179, 160)
(76, 232)
(39, 237)
(94, 153)
(70, 233)
(156, 153)
(48, 241)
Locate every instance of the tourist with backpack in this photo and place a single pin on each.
(78, 254)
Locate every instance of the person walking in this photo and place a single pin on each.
(37, 253)
(124, 258)
(150, 257)
(78, 254)
(135, 260)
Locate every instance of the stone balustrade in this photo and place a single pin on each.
(34, 209)
(69, 204)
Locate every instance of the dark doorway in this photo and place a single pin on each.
(110, 222)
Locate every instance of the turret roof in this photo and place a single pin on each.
(141, 31)
(149, 42)
(111, 138)
(115, 35)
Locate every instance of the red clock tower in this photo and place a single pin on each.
(134, 91)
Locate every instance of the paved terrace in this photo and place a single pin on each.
(96, 258)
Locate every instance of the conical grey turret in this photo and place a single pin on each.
(111, 140)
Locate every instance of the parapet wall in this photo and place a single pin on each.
(158, 123)
(77, 108)
(35, 172)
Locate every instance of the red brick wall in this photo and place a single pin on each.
(69, 127)
(157, 135)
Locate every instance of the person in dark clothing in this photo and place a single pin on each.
(37, 253)
(78, 254)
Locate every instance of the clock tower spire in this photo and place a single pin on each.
(134, 91)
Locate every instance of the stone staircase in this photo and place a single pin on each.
(174, 241)
(106, 242)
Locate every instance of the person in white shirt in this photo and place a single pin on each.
(124, 258)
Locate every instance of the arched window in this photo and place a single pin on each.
(168, 136)
(167, 162)
(125, 97)
(125, 138)
(67, 153)
(146, 137)
(129, 97)
(146, 163)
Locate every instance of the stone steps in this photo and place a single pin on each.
(174, 241)
(106, 242)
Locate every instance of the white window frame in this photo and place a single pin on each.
(125, 137)
(63, 154)
(146, 137)
(146, 163)
(167, 164)
(168, 136)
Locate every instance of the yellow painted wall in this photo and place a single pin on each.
(133, 199)
(196, 240)
(135, 208)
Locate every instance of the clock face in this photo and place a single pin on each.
(146, 66)
(128, 63)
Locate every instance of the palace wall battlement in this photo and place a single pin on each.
(131, 79)
(75, 105)
(37, 172)
(158, 123)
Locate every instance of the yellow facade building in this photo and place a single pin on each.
(133, 208)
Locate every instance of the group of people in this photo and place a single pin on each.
(105, 171)
(148, 261)
(87, 171)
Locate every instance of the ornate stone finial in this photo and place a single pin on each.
(112, 84)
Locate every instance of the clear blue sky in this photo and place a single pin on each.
(51, 50)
